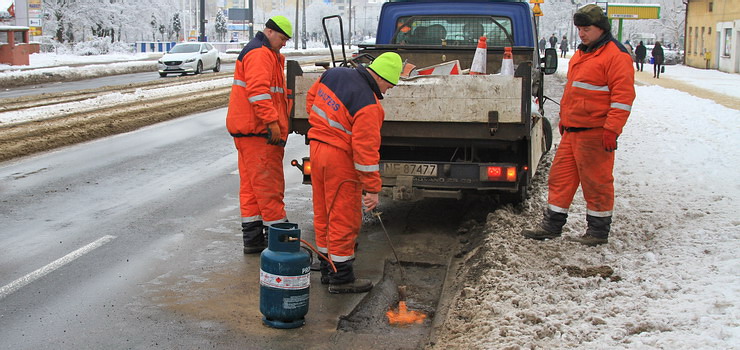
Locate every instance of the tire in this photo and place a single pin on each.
(199, 68)
(547, 130)
(162, 75)
(515, 198)
(217, 68)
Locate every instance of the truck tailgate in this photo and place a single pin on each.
(453, 98)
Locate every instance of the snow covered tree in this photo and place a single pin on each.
(176, 25)
(221, 27)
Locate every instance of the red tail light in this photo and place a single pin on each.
(497, 173)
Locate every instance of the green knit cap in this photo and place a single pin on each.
(280, 24)
(388, 66)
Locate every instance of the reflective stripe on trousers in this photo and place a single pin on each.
(262, 185)
(581, 159)
(337, 201)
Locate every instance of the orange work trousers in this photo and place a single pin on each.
(262, 185)
(581, 159)
(337, 201)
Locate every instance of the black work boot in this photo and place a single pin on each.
(597, 232)
(254, 237)
(550, 227)
(324, 267)
(344, 281)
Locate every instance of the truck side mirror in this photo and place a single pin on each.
(550, 60)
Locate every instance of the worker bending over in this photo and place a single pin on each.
(345, 116)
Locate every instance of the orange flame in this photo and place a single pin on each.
(404, 316)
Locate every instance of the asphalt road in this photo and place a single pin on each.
(133, 241)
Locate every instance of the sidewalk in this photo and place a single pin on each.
(714, 85)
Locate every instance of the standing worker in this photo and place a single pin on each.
(600, 76)
(640, 54)
(258, 120)
(345, 116)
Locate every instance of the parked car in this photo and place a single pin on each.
(190, 57)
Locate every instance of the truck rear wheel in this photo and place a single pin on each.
(547, 130)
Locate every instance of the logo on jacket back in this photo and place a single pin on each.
(329, 101)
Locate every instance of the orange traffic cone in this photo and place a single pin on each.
(507, 64)
(479, 60)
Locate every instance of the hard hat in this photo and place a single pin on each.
(280, 24)
(387, 66)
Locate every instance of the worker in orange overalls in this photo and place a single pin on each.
(345, 116)
(595, 106)
(258, 120)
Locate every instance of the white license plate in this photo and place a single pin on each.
(413, 169)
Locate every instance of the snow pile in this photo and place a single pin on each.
(673, 248)
(101, 46)
(107, 100)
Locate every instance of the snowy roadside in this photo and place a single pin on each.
(115, 98)
(47, 67)
(673, 248)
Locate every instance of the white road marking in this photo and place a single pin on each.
(23, 281)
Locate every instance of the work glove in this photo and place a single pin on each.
(273, 133)
(370, 201)
(609, 140)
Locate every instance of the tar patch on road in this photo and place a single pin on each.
(367, 327)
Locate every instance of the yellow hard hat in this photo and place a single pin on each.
(280, 24)
(388, 66)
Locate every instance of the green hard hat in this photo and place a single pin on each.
(281, 24)
(388, 66)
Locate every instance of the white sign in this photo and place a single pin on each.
(34, 22)
(624, 16)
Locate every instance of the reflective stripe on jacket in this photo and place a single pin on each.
(258, 93)
(600, 88)
(345, 112)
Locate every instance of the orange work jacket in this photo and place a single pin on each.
(258, 94)
(600, 88)
(345, 112)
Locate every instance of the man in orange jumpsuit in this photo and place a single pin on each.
(258, 120)
(345, 116)
(596, 104)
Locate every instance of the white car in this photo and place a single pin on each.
(190, 57)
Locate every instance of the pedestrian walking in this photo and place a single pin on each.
(543, 45)
(600, 76)
(553, 41)
(640, 54)
(563, 47)
(257, 119)
(658, 59)
(345, 116)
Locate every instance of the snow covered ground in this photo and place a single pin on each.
(674, 243)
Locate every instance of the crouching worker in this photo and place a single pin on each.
(345, 116)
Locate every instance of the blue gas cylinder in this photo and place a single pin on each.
(284, 278)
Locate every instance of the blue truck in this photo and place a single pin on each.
(448, 135)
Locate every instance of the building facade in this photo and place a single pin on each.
(713, 35)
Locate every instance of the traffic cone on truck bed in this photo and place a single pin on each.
(479, 60)
(507, 64)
